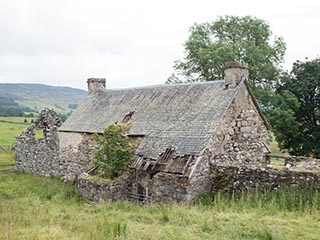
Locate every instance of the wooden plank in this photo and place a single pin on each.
(169, 165)
(186, 166)
(146, 165)
(176, 164)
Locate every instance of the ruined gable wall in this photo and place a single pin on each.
(60, 154)
(40, 156)
(242, 137)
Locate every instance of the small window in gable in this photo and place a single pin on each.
(39, 134)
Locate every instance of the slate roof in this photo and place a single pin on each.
(182, 116)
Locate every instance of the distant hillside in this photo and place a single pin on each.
(35, 97)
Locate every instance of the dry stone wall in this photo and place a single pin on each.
(60, 154)
(162, 188)
(166, 188)
(242, 137)
(238, 179)
(40, 156)
(99, 190)
(76, 152)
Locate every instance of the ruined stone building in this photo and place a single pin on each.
(178, 131)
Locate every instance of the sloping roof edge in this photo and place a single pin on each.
(245, 82)
(257, 105)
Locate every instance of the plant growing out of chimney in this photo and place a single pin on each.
(115, 151)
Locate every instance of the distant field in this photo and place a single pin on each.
(8, 133)
(17, 119)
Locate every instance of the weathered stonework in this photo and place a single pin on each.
(60, 154)
(40, 156)
(95, 84)
(161, 188)
(238, 179)
(181, 136)
(242, 138)
(234, 72)
(100, 190)
(76, 152)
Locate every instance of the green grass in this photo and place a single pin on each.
(33, 207)
(6, 158)
(274, 149)
(8, 133)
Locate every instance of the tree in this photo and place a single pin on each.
(230, 38)
(114, 152)
(295, 116)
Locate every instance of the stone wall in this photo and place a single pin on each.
(162, 188)
(60, 154)
(142, 186)
(40, 156)
(238, 179)
(76, 152)
(242, 138)
(167, 187)
(100, 190)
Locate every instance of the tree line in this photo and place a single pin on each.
(10, 108)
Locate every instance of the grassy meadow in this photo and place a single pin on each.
(34, 207)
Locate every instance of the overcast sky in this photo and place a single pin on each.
(130, 43)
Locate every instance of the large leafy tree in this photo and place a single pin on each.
(295, 116)
(230, 38)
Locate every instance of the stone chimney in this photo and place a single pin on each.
(95, 84)
(234, 72)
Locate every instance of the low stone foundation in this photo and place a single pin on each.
(162, 188)
(100, 190)
(167, 188)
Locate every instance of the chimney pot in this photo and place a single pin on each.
(95, 84)
(234, 73)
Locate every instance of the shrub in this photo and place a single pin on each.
(114, 153)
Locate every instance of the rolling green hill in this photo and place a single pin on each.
(38, 96)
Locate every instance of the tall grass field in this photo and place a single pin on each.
(35, 207)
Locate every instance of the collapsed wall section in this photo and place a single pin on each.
(76, 152)
(60, 154)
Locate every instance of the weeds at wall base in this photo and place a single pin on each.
(46, 208)
(294, 200)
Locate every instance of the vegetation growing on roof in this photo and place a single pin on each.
(115, 151)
